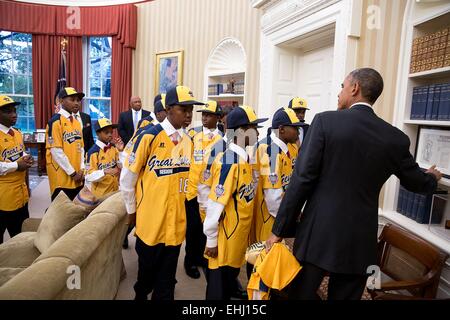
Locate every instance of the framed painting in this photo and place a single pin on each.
(433, 148)
(168, 70)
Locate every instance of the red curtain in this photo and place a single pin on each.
(121, 70)
(46, 58)
(50, 22)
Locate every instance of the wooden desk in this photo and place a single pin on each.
(40, 146)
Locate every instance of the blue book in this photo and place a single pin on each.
(415, 209)
(436, 101)
(415, 103)
(430, 99)
(422, 104)
(444, 102)
(423, 215)
(409, 204)
(401, 197)
(404, 201)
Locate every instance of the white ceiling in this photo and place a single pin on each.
(81, 3)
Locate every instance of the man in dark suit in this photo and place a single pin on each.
(346, 158)
(85, 121)
(129, 120)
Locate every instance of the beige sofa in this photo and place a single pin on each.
(39, 265)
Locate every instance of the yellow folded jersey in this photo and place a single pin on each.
(273, 270)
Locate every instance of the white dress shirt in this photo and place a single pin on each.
(78, 117)
(203, 190)
(60, 157)
(7, 167)
(128, 178)
(207, 131)
(273, 197)
(139, 117)
(214, 209)
(359, 103)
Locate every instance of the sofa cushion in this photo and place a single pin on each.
(114, 205)
(60, 217)
(8, 273)
(19, 251)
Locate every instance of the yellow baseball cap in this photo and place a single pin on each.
(298, 103)
(69, 91)
(7, 101)
(103, 123)
(211, 107)
(181, 95)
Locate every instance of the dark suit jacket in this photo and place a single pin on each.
(346, 158)
(126, 128)
(88, 139)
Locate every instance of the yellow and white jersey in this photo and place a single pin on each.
(275, 162)
(99, 158)
(162, 168)
(233, 188)
(145, 125)
(13, 189)
(202, 139)
(67, 135)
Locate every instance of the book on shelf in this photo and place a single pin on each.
(430, 51)
(417, 206)
(431, 102)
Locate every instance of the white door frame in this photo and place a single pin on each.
(345, 14)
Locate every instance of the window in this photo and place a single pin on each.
(15, 75)
(98, 52)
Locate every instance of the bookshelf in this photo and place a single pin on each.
(225, 73)
(219, 87)
(421, 19)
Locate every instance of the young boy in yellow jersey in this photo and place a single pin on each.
(153, 185)
(300, 105)
(276, 155)
(230, 206)
(202, 138)
(103, 160)
(65, 147)
(13, 165)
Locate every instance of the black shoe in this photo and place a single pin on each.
(240, 294)
(192, 271)
(125, 243)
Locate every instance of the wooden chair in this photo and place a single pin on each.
(413, 264)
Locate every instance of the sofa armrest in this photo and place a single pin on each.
(31, 224)
(19, 251)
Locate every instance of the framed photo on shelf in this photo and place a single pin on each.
(39, 136)
(433, 148)
(168, 70)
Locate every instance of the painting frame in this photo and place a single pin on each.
(162, 84)
(433, 147)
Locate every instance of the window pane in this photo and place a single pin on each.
(94, 67)
(21, 63)
(20, 84)
(105, 107)
(106, 68)
(5, 83)
(5, 41)
(30, 85)
(94, 87)
(6, 62)
(106, 88)
(20, 42)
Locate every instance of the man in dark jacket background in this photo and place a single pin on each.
(345, 159)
